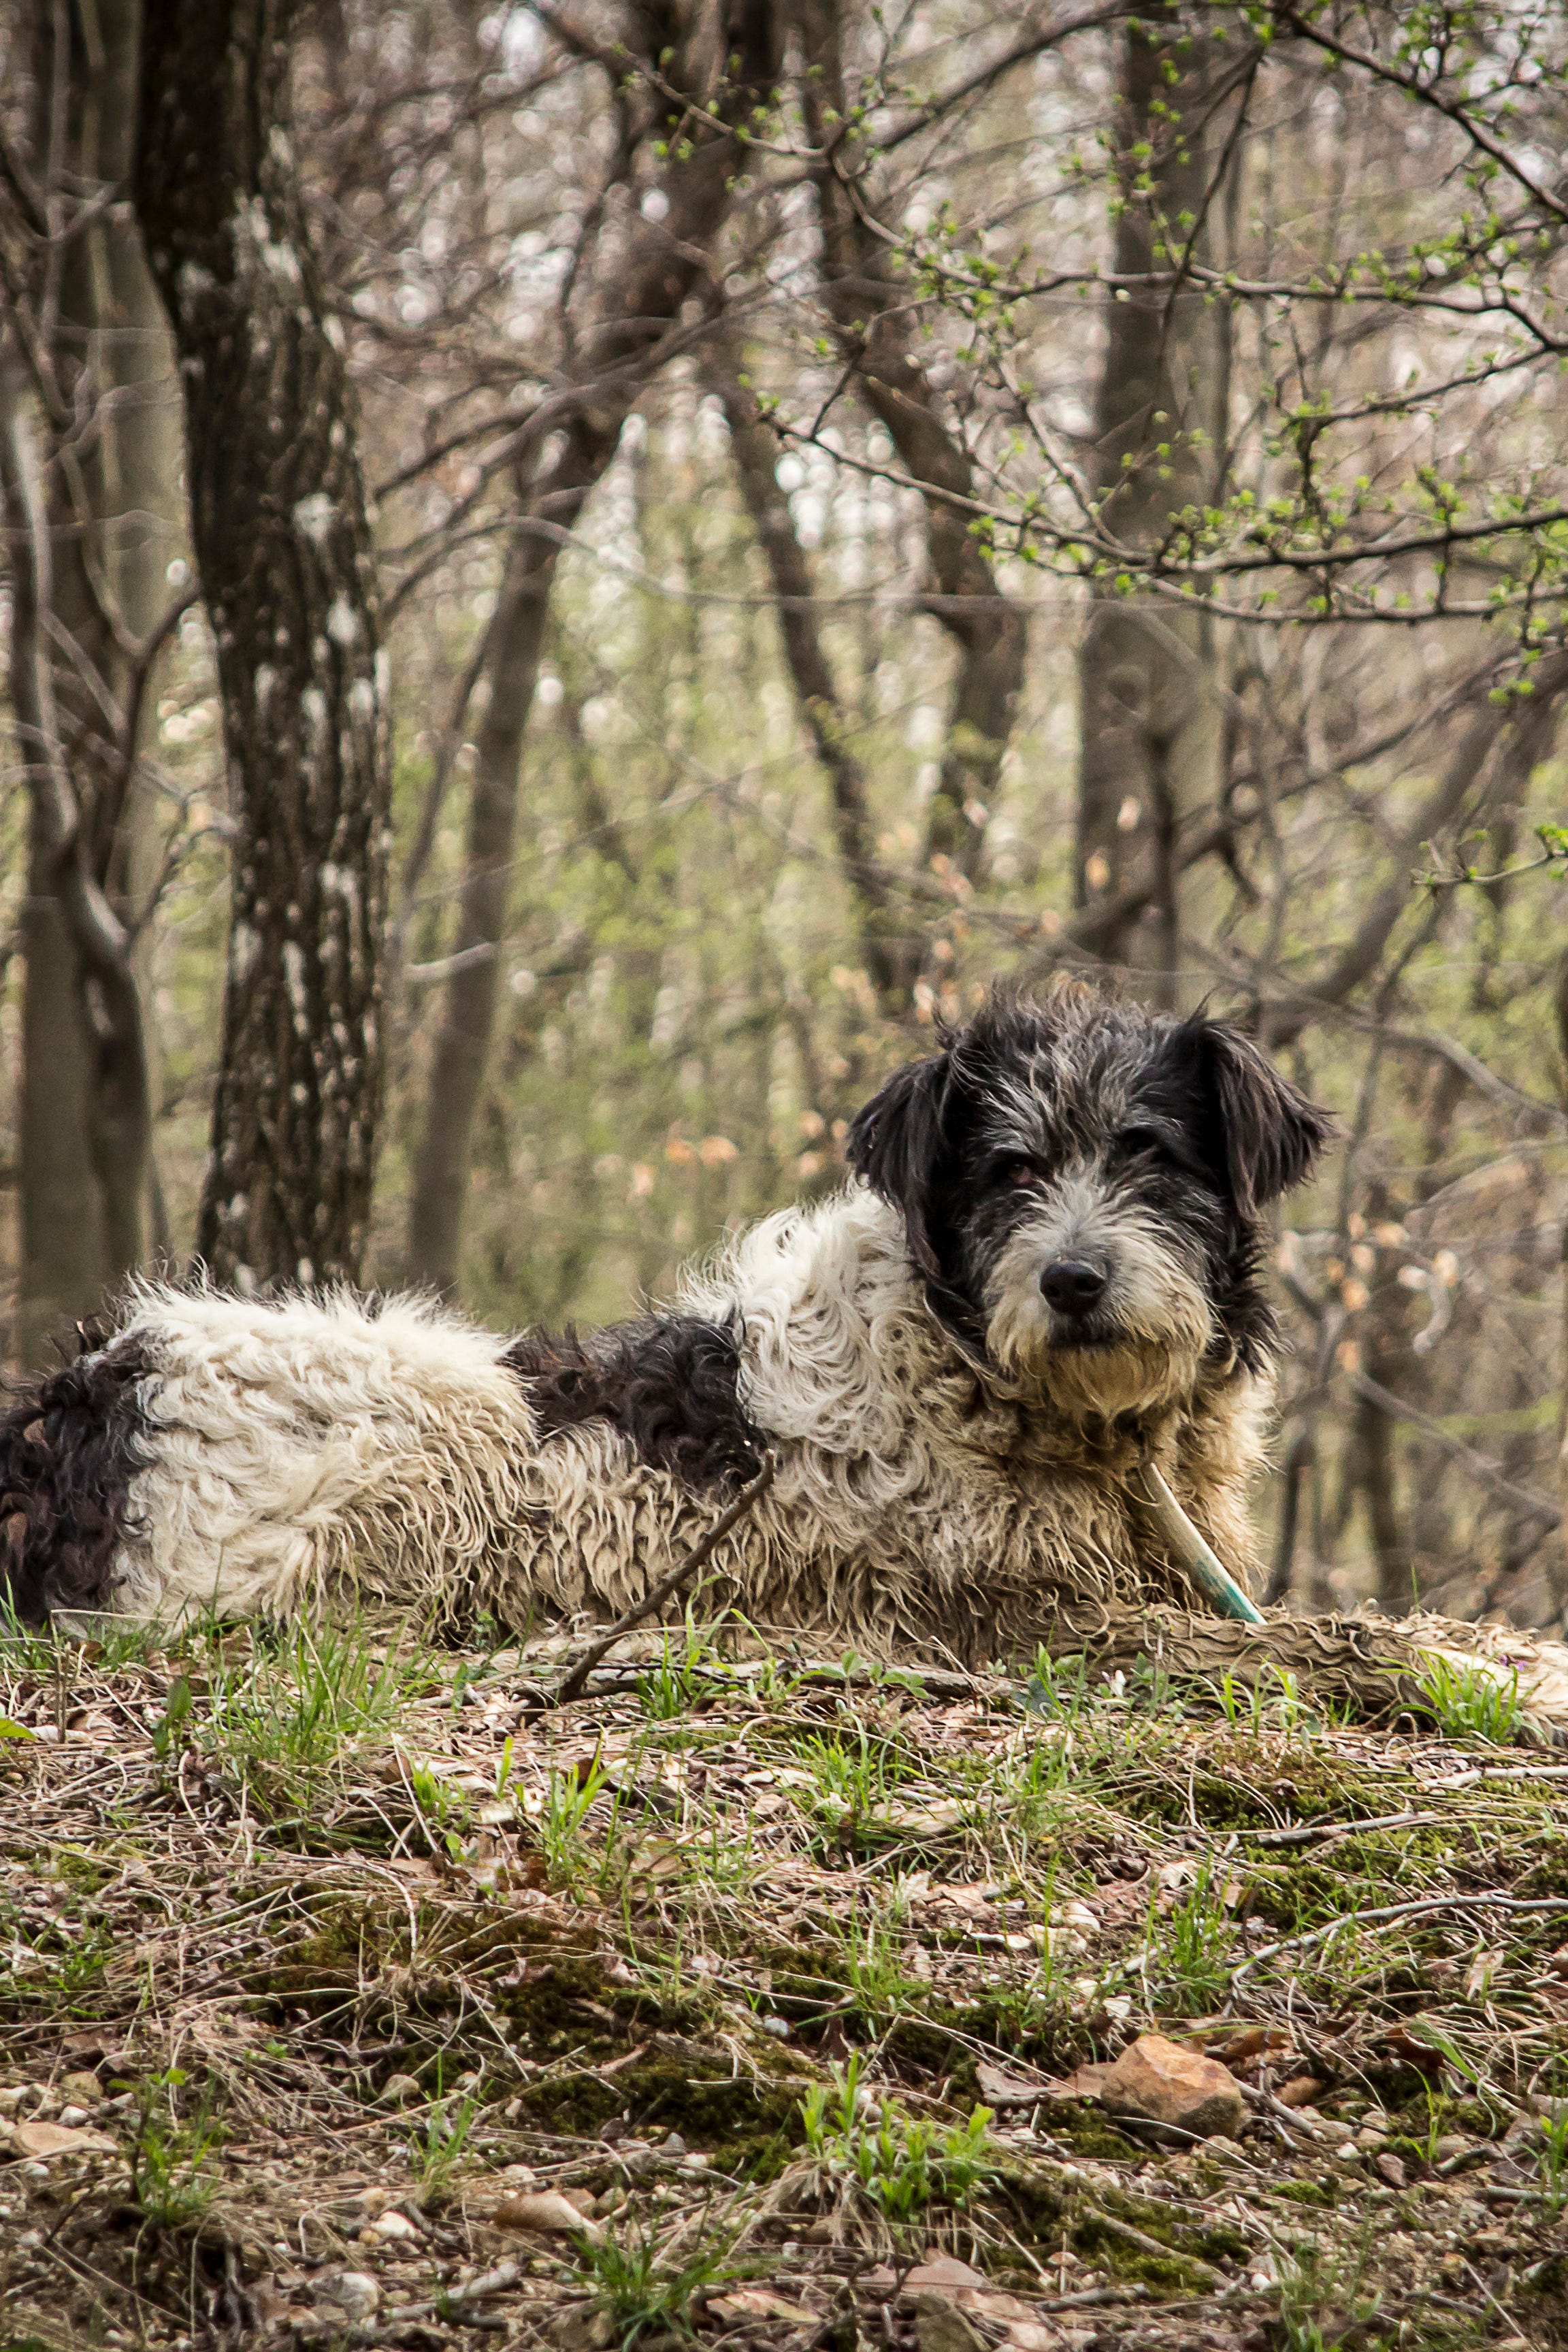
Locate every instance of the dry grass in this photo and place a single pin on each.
(342, 1947)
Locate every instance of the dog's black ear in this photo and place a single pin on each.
(898, 1142)
(1265, 1135)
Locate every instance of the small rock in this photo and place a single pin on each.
(390, 2226)
(1301, 2091)
(1160, 2081)
(672, 2146)
(39, 2140)
(1452, 2145)
(940, 2326)
(1370, 2138)
(1330, 2127)
(82, 2088)
(399, 2088)
(779, 2027)
(1349, 2153)
(73, 2117)
(353, 2293)
(1390, 2168)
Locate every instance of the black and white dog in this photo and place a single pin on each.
(1046, 1266)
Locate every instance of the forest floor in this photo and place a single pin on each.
(348, 1997)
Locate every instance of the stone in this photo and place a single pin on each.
(353, 2293)
(392, 2226)
(397, 2089)
(41, 2140)
(80, 2088)
(940, 2326)
(1390, 2168)
(1301, 2091)
(1162, 2083)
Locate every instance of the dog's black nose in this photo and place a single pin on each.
(1073, 1285)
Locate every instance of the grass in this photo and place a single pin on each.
(643, 2286)
(899, 2164)
(1473, 1702)
(802, 1920)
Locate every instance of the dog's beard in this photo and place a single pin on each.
(1141, 1348)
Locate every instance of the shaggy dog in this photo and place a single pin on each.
(1046, 1269)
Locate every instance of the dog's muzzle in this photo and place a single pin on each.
(1074, 1286)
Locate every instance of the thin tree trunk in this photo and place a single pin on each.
(629, 293)
(283, 547)
(868, 308)
(891, 952)
(510, 670)
(1151, 731)
(93, 458)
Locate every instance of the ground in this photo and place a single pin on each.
(352, 1993)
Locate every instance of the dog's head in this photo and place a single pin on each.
(1081, 1184)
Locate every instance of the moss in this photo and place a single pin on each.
(749, 2126)
(1086, 2131)
(1319, 2193)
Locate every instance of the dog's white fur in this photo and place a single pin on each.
(313, 1448)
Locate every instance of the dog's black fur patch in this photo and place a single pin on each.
(1183, 1117)
(668, 1383)
(70, 1446)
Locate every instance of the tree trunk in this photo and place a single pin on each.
(891, 951)
(869, 310)
(93, 463)
(282, 544)
(1151, 734)
(629, 291)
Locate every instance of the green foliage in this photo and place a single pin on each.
(1476, 1701)
(900, 2164)
(437, 2147)
(171, 2156)
(641, 2287)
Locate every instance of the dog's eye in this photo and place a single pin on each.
(1143, 1142)
(1014, 1173)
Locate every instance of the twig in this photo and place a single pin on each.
(1399, 1911)
(571, 1684)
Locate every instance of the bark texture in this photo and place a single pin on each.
(631, 283)
(1150, 736)
(278, 512)
(870, 309)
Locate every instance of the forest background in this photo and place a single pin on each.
(577, 577)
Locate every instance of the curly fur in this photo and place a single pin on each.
(952, 1449)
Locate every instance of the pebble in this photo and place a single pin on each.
(391, 2225)
(400, 2087)
(355, 2294)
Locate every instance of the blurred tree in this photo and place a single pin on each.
(277, 514)
(1150, 711)
(89, 474)
(645, 247)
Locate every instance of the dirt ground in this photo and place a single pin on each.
(351, 1995)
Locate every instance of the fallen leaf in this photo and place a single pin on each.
(1000, 2089)
(546, 2211)
(761, 2303)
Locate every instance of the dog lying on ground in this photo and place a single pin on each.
(1045, 1270)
